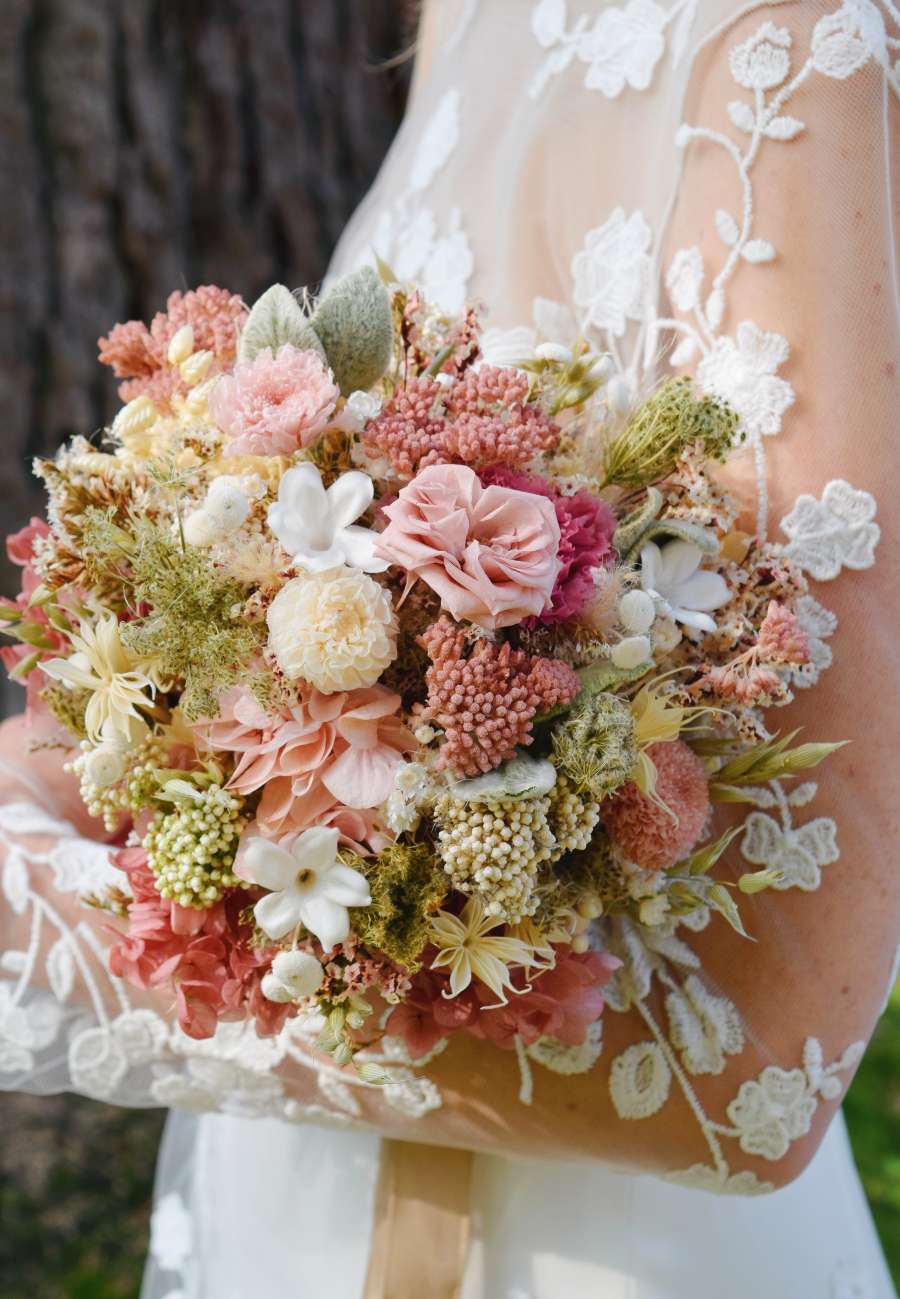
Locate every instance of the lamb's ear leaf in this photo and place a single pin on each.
(520, 777)
(354, 324)
(276, 319)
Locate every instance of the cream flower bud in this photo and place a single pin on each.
(299, 972)
(636, 612)
(620, 393)
(653, 911)
(274, 990)
(194, 367)
(196, 400)
(631, 652)
(200, 529)
(554, 352)
(104, 766)
(181, 345)
(226, 505)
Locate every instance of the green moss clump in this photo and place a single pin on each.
(594, 745)
(407, 886)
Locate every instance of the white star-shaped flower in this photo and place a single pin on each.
(683, 590)
(309, 885)
(315, 526)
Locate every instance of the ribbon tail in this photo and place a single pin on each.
(421, 1227)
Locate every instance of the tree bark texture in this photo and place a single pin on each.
(149, 145)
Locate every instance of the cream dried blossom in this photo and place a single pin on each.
(118, 682)
(466, 944)
(573, 817)
(336, 630)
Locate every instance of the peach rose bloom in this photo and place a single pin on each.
(490, 553)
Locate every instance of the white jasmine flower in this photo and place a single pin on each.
(315, 525)
(116, 680)
(672, 575)
(335, 630)
(294, 975)
(465, 944)
(308, 886)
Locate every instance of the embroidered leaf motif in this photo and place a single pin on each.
(60, 969)
(15, 884)
(758, 250)
(338, 1093)
(639, 1081)
(715, 308)
(784, 128)
(834, 533)
(705, 1028)
(727, 227)
(741, 115)
(548, 22)
(684, 352)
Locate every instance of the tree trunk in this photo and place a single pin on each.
(151, 145)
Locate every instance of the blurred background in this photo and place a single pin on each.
(148, 145)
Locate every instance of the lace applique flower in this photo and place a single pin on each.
(797, 854)
(742, 370)
(623, 47)
(773, 1112)
(763, 61)
(610, 272)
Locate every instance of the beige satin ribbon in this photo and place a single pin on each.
(420, 1234)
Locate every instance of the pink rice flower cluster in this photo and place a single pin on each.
(586, 527)
(562, 1002)
(325, 760)
(751, 686)
(353, 969)
(139, 355)
(781, 638)
(485, 703)
(658, 832)
(482, 417)
(205, 955)
(274, 404)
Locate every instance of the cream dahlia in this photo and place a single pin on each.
(336, 630)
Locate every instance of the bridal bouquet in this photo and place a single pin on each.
(389, 671)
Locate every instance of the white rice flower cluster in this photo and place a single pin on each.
(191, 850)
(412, 786)
(493, 849)
(573, 817)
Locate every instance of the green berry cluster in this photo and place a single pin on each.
(191, 849)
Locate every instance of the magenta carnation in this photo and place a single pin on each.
(274, 404)
(586, 527)
(657, 836)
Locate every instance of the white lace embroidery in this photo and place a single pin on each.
(837, 532)
(621, 48)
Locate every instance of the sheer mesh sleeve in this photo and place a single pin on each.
(752, 245)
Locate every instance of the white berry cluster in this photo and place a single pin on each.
(191, 850)
(573, 817)
(493, 849)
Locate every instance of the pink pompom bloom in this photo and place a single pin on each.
(658, 832)
(586, 527)
(327, 760)
(274, 404)
(206, 956)
(490, 553)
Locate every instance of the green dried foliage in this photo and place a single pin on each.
(354, 324)
(407, 886)
(67, 706)
(662, 428)
(770, 760)
(595, 744)
(194, 629)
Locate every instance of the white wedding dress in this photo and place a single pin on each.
(628, 172)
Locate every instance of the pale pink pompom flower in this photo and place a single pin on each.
(274, 404)
(657, 832)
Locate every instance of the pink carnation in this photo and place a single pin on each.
(657, 836)
(327, 760)
(274, 404)
(489, 552)
(586, 527)
(205, 956)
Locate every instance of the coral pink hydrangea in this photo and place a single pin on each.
(20, 548)
(326, 760)
(490, 553)
(274, 404)
(586, 527)
(207, 955)
(485, 703)
(657, 836)
(480, 417)
(561, 1003)
(139, 355)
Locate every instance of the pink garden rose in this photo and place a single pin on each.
(489, 552)
(274, 404)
